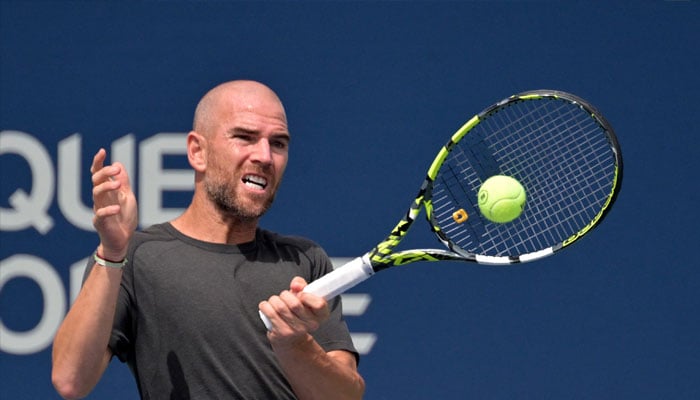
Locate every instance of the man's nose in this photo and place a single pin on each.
(262, 152)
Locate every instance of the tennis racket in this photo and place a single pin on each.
(557, 145)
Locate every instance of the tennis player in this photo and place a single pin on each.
(179, 301)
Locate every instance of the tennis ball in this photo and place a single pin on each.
(501, 199)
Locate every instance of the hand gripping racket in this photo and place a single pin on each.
(557, 145)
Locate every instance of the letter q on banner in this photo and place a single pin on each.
(29, 209)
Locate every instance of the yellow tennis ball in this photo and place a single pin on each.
(501, 199)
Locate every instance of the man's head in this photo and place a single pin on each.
(239, 148)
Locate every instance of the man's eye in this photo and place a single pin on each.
(243, 137)
(279, 144)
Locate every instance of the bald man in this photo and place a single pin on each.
(179, 301)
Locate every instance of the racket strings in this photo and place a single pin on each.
(570, 120)
(573, 204)
(555, 148)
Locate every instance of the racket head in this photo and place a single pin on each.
(557, 145)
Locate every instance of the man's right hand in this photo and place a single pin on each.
(116, 212)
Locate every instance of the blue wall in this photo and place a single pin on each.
(372, 90)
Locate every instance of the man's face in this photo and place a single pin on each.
(247, 153)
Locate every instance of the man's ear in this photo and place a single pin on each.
(196, 151)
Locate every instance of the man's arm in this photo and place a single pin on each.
(80, 349)
(312, 372)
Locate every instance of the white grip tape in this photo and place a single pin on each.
(337, 281)
(341, 279)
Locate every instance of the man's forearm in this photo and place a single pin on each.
(315, 374)
(80, 352)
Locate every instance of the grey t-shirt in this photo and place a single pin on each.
(187, 319)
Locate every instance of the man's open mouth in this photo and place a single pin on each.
(255, 181)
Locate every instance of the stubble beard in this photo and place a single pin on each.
(232, 205)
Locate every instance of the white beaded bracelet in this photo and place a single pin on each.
(101, 261)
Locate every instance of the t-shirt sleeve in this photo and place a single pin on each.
(120, 341)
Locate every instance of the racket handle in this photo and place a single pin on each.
(336, 281)
(341, 279)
